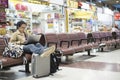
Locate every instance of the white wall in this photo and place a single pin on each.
(105, 19)
(59, 2)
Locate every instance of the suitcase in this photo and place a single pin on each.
(40, 66)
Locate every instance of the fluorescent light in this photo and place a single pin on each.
(117, 1)
(99, 1)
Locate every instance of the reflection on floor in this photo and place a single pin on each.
(68, 73)
(96, 66)
(100, 66)
(13, 73)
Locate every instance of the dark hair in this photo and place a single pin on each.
(20, 23)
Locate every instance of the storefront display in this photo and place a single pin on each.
(53, 22)
(2, 29)
(117, 16)
(14, 16)
(105, 16)
(78, 19)
(80, 16)
(2, 14)
(117, 19)
(18, 11)
(3, 5)
(41, 16)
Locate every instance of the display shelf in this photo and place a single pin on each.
(51, 20)
(18, 18)
(76, 23)
(16, 15)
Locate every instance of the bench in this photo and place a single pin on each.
(26, 58)
(69, 43)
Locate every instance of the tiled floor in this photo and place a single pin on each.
(68, 73)
(104, 61)
(101, 66)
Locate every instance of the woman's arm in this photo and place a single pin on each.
(14, 39)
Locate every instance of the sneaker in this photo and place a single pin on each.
(48, 51)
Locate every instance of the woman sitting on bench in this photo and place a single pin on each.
(20, 37)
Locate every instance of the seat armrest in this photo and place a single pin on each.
(48, 44)
(61, 42)
(73, 41)
(81, 41)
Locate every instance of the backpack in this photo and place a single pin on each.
(54, 63)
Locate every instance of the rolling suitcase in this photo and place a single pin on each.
(40, 66)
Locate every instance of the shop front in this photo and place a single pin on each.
(40, 16)
(80, 19)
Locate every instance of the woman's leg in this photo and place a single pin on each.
(39, 45)
(33, 48)
(26, 49)
(40, 48)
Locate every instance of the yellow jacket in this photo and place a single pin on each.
(18, 37)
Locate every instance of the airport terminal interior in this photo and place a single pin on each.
(59, 39)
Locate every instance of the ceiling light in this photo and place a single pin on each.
(99, 1)
(117, 1)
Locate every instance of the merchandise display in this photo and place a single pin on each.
(36, 22)
(14, 16)
(39, 18)
(46, 16)
(2, 14)
(80, 18)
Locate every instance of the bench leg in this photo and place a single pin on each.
(115, 46)
(102, 49)
(26, 68)
(2, 77)
(88, 52)
(67, 58)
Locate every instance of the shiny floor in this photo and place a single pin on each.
(99, 66)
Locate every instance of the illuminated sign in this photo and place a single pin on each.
(117, 16)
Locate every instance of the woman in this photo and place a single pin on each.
(20, 36)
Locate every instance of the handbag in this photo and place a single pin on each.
(13, 51)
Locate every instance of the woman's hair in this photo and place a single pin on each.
(20, 23)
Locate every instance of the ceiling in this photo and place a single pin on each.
(112, 4)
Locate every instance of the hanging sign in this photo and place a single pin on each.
(59, 2)
(43, 2)
(83, 14)
(72, 4)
